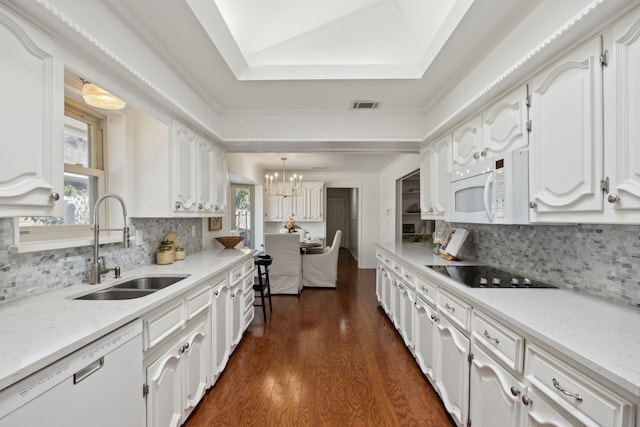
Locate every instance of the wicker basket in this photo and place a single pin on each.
(229, 242)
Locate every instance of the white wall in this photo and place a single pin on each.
(402, 166)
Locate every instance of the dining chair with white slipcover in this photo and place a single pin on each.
(320, 270)
(285, 271)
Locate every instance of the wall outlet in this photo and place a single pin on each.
(193, 231)
(139, 237)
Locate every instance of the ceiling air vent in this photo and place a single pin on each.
(364, 105)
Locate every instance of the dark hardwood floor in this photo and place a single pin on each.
(326, 358)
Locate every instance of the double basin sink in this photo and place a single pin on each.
(134, 288)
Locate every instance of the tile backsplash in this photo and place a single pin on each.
(600, 260)
(33, 273)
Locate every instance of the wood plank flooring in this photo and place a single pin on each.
(325, 358)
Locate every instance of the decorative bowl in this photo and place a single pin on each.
(229, 242)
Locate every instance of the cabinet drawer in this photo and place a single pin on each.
(409, 277)
(248, 266)
(249, 297)
(397, 268)
(197, 302)
(584, 398)
(499, 340)
(160, 325)
(427, 290)
(455, 309)
(248, 284)
(236, 273)
(248, 316)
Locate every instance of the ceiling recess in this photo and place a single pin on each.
(364, 105)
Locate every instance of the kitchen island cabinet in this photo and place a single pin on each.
(514, 350)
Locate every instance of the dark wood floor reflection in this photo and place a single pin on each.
(326, 358)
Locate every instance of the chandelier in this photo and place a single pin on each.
(292, 188)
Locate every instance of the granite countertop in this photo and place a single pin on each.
(600, 335)
(39, 330)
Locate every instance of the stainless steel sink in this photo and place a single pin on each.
(134, 288)
(153, 283)
(117, 294)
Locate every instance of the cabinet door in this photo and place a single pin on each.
(315, 201)
(540, 413)
(164, 379)
(452, 378)
(504, 124)
(272, 208)
(425, 320)
(622, 96)
(219, 329)
(196, 359)
(184, 140)
(566, 139)
(300, 204)
(426, 180)
(408, 297)
(31, 177)
(467, 143)
(237, 315)
(221, 182)
(434, 179)
(206, 172)
(495, 393)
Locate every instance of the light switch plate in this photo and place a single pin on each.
(139, 237)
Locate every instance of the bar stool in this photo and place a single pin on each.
(261, 282)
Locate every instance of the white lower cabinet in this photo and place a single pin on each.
(495, 394)
(452, 370)
(580, 396)
(221, 339)
(178, 377)
(425, 324)
(487, 372)
(177, 357)
(237, 314)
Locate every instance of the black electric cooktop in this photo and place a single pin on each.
(484, 276)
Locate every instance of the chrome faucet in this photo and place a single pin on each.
(98, 269)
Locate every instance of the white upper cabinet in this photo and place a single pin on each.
(308, 206)
(504, 124)
(31, 84)
(201, 173)
(184, 145)
(222, 182)
(500, 128)
(622, 127)
(434, 179)
(566, 145)
(467, 143)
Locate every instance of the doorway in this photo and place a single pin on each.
(243, 197)
(343, 214)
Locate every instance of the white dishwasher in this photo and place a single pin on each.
(98, 385)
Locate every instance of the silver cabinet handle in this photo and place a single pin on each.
(200, 206)
(490, 338)
(533, 205)
(483, 153)
(526, 400)
(434, 318)
(557, 385)
(613, 198)
(177, 205)
(448, 307)
(515, 391)
(54, 196)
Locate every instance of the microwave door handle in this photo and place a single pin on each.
(487, 197)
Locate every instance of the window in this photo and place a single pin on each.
(83, 178)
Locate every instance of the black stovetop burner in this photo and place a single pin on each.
(484, 276)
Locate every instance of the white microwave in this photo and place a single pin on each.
(493, 191)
